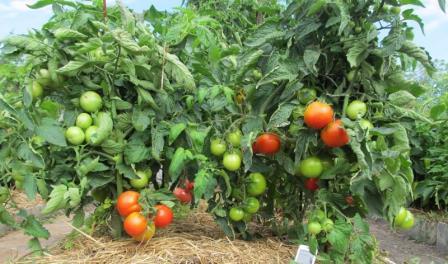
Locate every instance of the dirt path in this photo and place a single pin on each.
(402, 250)
(14, 244)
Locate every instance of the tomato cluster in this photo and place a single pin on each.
(319, 221)
(255, 186)
(135, 223)
(84, 130)
(184, 195)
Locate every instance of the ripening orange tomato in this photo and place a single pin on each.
(135, 224)
(334, 135)
(318, 115)
(147, 235)
(127, 203)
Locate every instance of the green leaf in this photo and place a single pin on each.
(310, 57)
(175, 131)
(140, 119)
(418, 54)
(177, 70)
(180, 158)
(126, 41)
(358, 53)
(264, 34)
(73, 196)
(30, 186)
(442, 5)
(34, 228)
(136, 151)
(26, 42)
(90, 165)
(437, 110)
(35, 246)
(44, 3)
(157, 142)
(68, 34)
(409, 15)
(105, 125)
(51, 132)
(6, 218)
(127, 18)
(201, 181)
(26, 153)
(78, 219)
(280, 117)
(56, 199)
(126, 171)
(71, 67)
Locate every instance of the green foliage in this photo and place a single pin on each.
(170, 82)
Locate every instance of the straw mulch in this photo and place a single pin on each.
(19, 200)
(195, 239)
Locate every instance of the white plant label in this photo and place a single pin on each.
(304, 256)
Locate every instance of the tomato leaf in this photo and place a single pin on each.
(175, 131)
(280, 117)
(51, 132)
(34, 228)
(56, 199)
(6, 218)
(30, 186)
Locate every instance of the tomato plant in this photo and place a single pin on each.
(161, 88)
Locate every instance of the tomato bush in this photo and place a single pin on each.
(165, 90)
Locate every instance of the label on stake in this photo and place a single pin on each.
(304, 256)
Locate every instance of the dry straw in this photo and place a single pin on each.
(195, 239)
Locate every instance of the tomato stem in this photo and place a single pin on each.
(104, 10)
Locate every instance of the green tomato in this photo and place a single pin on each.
(318, 215)
(18, 184)
(231, 161)
(118, 158)
(396, 10)
(4, 194)
(256, 184)
(351, 75)
(84, 121)
(399, 218)
(306, 95)
(234, 138)
(43, 77)
(75, 135)
(217, 147)
(190, 102)
(257, 74)
(36, 90)
(143, 180)
(408, 222)
(17, 176)
(236, 214)
(358, 30)
(356, 109)
(314, 228)
(327, 225)
(409, 34)
(365, 124)
(311, 167)
(90, 131)
(251, 205)
(90, 101)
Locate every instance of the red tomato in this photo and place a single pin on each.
(349, 200)
(164, 216)
(334, 135)
(183, 195)
(127, 203)
(135, 224)
(318, 115)
(189, 185)
(311, 184)
(267, 143)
